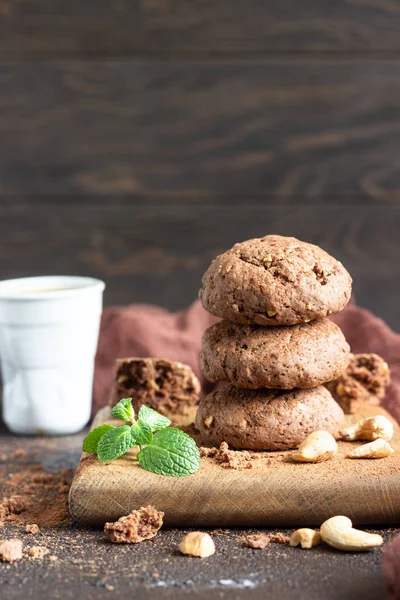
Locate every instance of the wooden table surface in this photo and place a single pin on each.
(90, 567)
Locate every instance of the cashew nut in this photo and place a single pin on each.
(318, 446)
(197, 543)
(378, 449)
(338, 532)
(307, 538)
(369, 429)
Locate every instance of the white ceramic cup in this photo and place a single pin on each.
(49, 328)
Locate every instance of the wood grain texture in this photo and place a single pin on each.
(275, 492)
(320, 130)
(157, 253)
(110, 28)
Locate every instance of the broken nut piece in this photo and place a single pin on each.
(307, 538)
(317, 447)
(338, 532)
(379, 448)
(271, 313)
(197, 543)
(370, 428)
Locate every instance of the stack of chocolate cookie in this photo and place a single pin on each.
(276, 347)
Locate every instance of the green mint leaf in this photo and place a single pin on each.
(114, 443)
(124, 410)
(92, 439)
(153, 418)
(140, 434)
(172, 452)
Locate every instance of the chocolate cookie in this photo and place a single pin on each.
(364, 381)
(266, 419)
(169, 387)
(275, 280)
(250, 356)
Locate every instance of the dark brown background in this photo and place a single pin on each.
(140, 138)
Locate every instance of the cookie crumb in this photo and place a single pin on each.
(139, 525)
(32, 528)
(258, 540)
(280, 538)
(230, 459)
(38, 552)
(11, 550)
(208, 452)
(14, 505)
(20, 453)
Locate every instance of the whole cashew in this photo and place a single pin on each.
(338, 532)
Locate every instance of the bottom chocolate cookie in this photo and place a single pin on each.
(266, 419)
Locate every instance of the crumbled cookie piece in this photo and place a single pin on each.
(11, 550)
(258, 540)
(32, 528)
(12, 506)
(208, 452)
(38, 552)
(280, 538)
(20, 453)
(169, 387)
(230, 459)
(139, 525)
(364, 380)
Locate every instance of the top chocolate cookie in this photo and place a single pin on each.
(275, 280)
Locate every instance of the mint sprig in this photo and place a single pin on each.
(153, 418)
(172, 452)
(141, 433)
(91, 441)
(168, 452)
(124, 410)
(114, 443)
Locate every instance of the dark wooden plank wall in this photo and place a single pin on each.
(138, 139)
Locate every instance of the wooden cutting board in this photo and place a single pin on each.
(275, 492)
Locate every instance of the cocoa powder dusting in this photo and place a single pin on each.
(38, 498)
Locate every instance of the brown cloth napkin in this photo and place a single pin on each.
(140, 330)
(391, 568)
